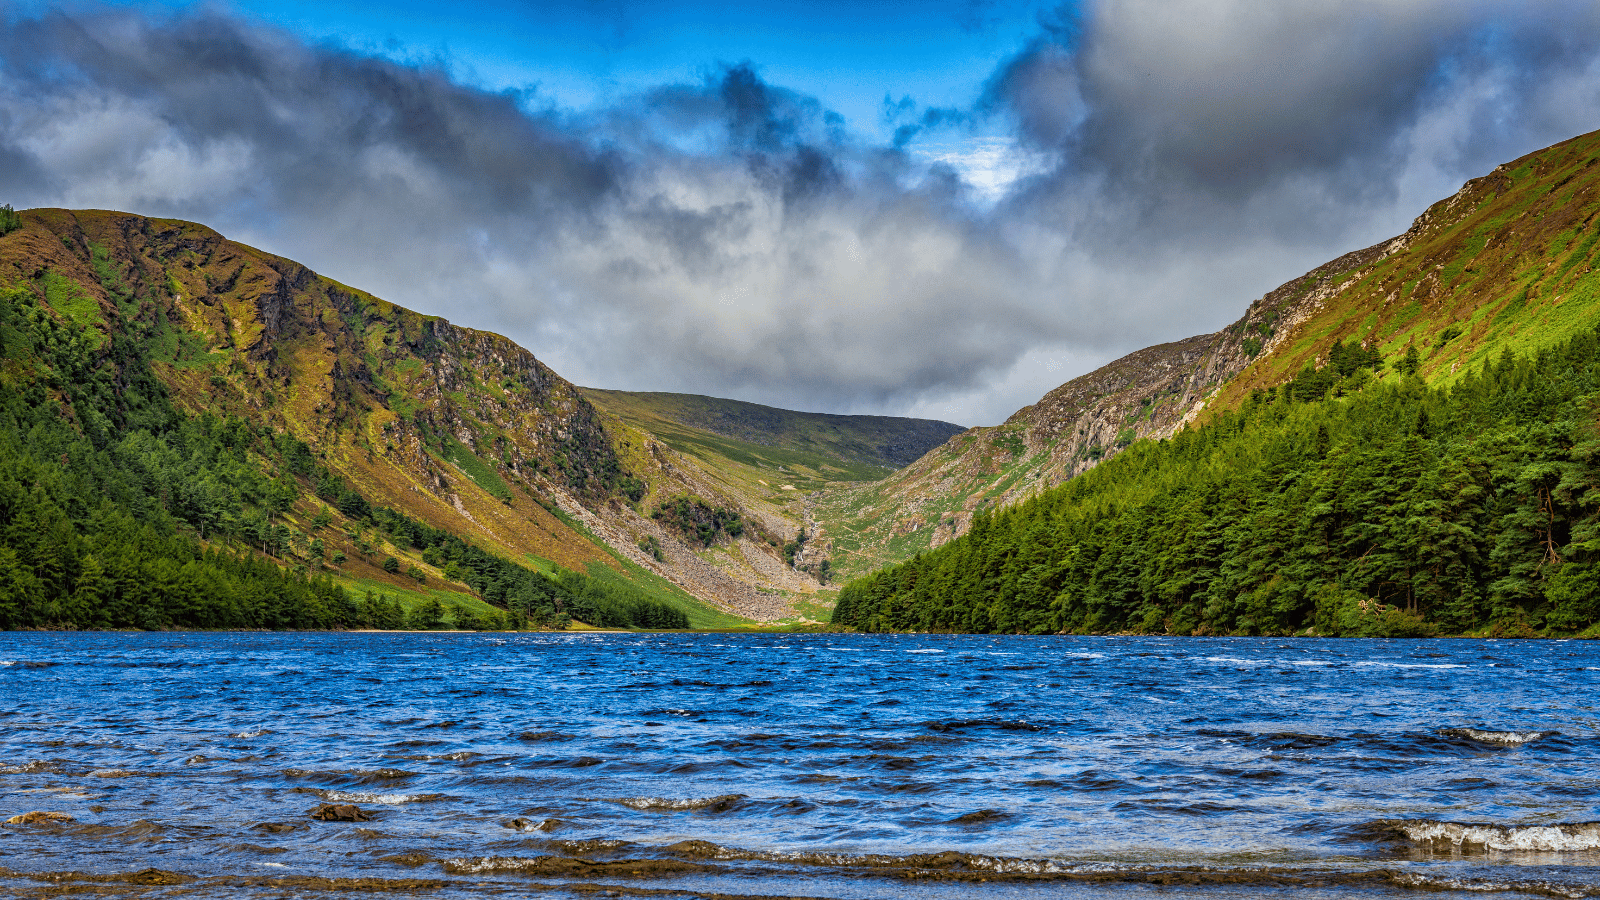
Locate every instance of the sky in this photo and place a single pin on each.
(940, 209)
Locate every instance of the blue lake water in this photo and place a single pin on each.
(850, 766)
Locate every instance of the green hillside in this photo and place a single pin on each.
(774, 456)
(197, 434)
(1361, 507)
(1504, 264)
(1408, 449)
(821, 445)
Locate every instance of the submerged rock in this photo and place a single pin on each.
(340, 812)
(38, 817)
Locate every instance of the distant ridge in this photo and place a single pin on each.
(890, 442)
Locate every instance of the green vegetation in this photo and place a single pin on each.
(117, 511)
(1397, 509)
(475, 468)
(99, 476)
(852, 447)
(527, 592)
(9, 220)
(696, 520)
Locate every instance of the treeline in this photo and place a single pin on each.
(1337, 503)
(98, 472)
(107, 492)
(84, 543)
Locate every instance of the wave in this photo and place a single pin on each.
(380, 799)
(1558, 838)
(1433, 883)
(983, 725)
(31, 768)
(720, 803)
(350, 776)
(566, 866)
(1505, 738)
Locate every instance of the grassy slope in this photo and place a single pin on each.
(385, 397)
(806, 450)
(1506, 265)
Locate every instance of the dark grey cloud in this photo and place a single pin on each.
(732, 236)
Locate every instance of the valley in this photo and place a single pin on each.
(342, 404)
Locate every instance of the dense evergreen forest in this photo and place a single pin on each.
(1336, 504)
(118, 511)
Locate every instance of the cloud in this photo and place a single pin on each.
(1163, 162)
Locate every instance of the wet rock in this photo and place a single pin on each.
(412, 859)
(525, 824)
(340, 812)
(158, 876)
(38, 817)
(276, 827)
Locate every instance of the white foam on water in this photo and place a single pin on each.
(925, 651)
(1507, 738)
(362, 797)
(1484, 885)
(257, 731)
(26, 768)
(658, 804)
(1574, 837)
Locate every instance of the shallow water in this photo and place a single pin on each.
(555, 765)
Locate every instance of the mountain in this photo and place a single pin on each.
(355, 441)
(821, 446)
(1503, 265)
(1401, 441)
(774, 463)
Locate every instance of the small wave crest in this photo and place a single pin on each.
(350, 777)
(380, 799)
(570, 867)
(721, 803)
(1432, 883)
(31, 768)
(1559, 838)
(1503, 738)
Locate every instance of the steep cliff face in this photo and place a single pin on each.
(1503, 264)
(459, 428)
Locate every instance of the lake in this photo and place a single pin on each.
(848, 766)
